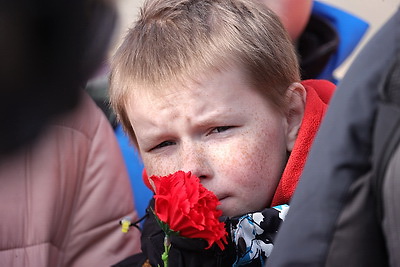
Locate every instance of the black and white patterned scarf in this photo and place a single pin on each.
(253, 235)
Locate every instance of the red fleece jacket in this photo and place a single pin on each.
(319, 93)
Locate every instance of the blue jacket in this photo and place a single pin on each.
(349, 31)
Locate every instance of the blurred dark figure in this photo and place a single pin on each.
(63, 183)
(48, 50)
(345, 211)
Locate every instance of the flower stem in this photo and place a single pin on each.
(167, 247)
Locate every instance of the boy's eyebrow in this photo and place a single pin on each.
(150, 137)
(214, 117)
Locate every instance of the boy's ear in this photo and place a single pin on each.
(296, 100)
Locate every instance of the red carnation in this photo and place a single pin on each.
(187, 207)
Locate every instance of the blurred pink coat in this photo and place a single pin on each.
(61, 199)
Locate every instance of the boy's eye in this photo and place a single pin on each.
(163, 144)
(220, 129)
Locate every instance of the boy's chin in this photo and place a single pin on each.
(232, 210)
(229, 209)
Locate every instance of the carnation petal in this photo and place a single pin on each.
(183, 203)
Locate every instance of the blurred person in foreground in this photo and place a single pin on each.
(63, 186)
(355, 218)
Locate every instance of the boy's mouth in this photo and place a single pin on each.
(222, 198)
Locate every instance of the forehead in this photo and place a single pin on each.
(213, 84)
(212, 90)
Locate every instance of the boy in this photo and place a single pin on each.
(213, 87)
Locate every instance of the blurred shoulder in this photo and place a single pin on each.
(86, 118)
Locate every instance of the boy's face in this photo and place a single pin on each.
(221, 130)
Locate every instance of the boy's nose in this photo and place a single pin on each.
(195, 161)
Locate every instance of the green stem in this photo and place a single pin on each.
(167, 247)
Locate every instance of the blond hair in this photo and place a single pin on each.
(177, 39)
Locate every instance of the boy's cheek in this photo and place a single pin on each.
(233, 154)
(158, 166)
